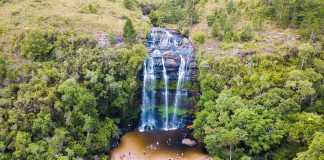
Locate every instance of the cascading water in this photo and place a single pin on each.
(166, 63)
(148, 121)
(166, 96)
(178, 96)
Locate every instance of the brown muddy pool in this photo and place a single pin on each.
(156, 145)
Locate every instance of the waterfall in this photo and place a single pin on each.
(181, 74)
(166, 40)
(165, 67)
(166, 96)
(148, 121)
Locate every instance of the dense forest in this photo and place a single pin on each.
(64, 96)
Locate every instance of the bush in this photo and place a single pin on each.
(129, 4)
(92, 9)
(129, 34)
(3, 67)
(230, 6)
(112, 38)
(199, 38)
(216, 32)
(246, 34)
(154, 18)
(37, 45)
(230, 37)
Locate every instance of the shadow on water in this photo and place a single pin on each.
(156, 145)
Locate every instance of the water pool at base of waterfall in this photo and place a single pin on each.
(164, 108)
(156, 145)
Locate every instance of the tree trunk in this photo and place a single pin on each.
(302, 65)
(88, 134)
(230, 152)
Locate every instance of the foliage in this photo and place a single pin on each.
(129, 4)
(129, 32)
(306, 50)
(37, 45)
(3, 67)
(92, 8)
(315, 149)
(63, 108)
(305, 15)
(222, 22)
(254, 106)
(199, 38)
(112, 38)
(176, 11)
(246, 34)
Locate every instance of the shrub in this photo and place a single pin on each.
(3, 67)
(37, 45)
(129, 34)
(230, 6)
(129, 4)
(92, 9)
(230, 37)
(246, 34)
(112, 38)
(154, 18)
(216, 32)
(199, 38)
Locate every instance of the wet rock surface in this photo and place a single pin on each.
(170, 50)
(168, 74)
(189, 142)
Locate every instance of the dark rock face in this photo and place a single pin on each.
(169, 47)
(170, 72)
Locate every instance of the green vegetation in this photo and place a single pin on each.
(112, 38)
(37, 45)
(129, 32)
(261, 104)
(129, 4)
(3, 67)
(64, 106)
(246, 34)
(184, 13)
(306, 15)
(261, 77)
(199, 38)
(91, 8)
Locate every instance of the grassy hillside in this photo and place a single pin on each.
(80, 17)
(267, 37)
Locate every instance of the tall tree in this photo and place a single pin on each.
(315, 149)
(306, 50)
(129, 32)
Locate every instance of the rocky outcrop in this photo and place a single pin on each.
(170, 69)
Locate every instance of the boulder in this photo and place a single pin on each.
(193, 65)
(169, 55)
(171, 63)
(185, 41)
(189, 142)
